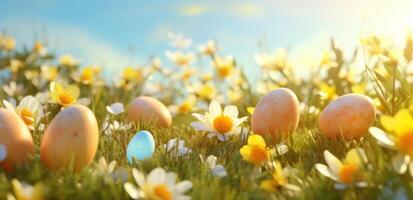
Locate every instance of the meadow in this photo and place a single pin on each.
(289, 172)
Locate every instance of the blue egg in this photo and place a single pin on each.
(141, 146)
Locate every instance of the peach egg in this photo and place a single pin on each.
(16, 138)
(71, 140)
(276, 114)
(349, 115)
(149, 110)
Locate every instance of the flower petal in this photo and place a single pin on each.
(200, 126)
(231, 111)
(131, 190)
(324, 170)
(215, 108)
(219, 171)
(139, 177)
(183, 186)
(381, 136)
(333, 162)
(400, 163)
(156, 176)
(256, 140)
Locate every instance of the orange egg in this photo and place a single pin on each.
(349, 115)
(16, 138)
(149, 110)
(71, 140)
(276, 114)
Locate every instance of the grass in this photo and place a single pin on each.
(306, 144)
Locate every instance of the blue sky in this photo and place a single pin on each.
(116, 33)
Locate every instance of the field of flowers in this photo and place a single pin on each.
(210, 151)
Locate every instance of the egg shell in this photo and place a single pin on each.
(349, 115)
(149, 110)
(276, 114)
(141, 146)
(16, 138)
(71, 140)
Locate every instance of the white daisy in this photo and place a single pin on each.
(115, 108)
(348, 172)
(110, 128)
(29, 110)
(221, 124)
(217, 170)
(159, 185)
(177, 146)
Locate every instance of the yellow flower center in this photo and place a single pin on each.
(206, 92)
(185, 107)
(27, 116)
(87, 75)
(405, 143)
(348, 172)
(258, 155)
(66, 99)
(224, 71)
(223, 124)
(162, 192)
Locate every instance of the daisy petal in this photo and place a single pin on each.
(139, 177)
(231, 111)
(400, 163)
(156, 176)
(381, 136)
(324, 170)
(131, 190)
(183, 186)
(219, 171)
(200, 126)
(333, 162)
(215, 108)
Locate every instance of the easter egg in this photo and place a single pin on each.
(141, 146)
(276, 114)
(149, 110)
(15, 139)
(71, 140)
(349, 115)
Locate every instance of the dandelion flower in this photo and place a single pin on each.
(348, 172)
(159, 185)
(221, 124)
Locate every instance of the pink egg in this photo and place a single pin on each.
(16, 138)
(149, 110)
(276, 114)
(349, 116)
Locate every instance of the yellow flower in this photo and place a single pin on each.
(401, 125)
(187, 73)
(224, 66)
(347, 172)
(64, 95)
(39, 49)
(373, 45)
(27, 192)
(279, 180)
(256, 151)
(251, 110)
(206, 91)
(359, 88)
(187, 105)
(327, 91)
(209, 48)
(15, 65)
(7, 43)
(181, 59)
(87, 75)
(132, 75)
(68, 60)
(49, 73)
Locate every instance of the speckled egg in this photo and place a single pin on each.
(349, 115)
(141, 146)
(71, 140)
(149, 110)
(276, 114)
(15, 139)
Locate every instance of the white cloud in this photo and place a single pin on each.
(69, 39)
